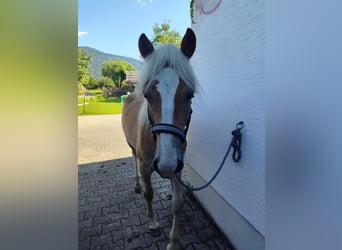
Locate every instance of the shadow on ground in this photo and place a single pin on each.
(112, 216)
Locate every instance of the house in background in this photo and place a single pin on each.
(229, 64)
(131, 76)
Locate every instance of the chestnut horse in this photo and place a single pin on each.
(156, 117)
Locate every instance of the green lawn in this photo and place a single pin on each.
(98, 105)
(95, 91)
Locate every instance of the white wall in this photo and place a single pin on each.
(229, 64)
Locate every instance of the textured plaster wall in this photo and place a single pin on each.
(229, 64)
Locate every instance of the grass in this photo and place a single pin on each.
(95, 91)
(98, 105)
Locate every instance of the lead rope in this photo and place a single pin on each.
(235, 144)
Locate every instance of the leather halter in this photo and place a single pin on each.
(168, 128)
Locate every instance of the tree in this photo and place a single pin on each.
(92, 83)
(116, 70)
(164, 34)
(105, 82)
(83, 62)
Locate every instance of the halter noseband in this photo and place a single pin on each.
(168, 128)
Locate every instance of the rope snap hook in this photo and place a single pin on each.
(236, 142)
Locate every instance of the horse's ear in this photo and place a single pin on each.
(145, 46)
(188, 45)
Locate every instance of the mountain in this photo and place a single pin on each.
(98, 57)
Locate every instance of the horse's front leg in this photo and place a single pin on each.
(137, 187)
(177, 205)
(148, 195)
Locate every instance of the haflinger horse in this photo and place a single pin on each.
(156, 117)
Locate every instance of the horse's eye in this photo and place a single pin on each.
(146, 95)
(146, 91)
(190, 96)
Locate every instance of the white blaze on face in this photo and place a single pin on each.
(167, 87)
(168, 152)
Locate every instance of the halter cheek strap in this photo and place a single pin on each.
(169, 128)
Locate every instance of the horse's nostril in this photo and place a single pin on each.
(179, 166)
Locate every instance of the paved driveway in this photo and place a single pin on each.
(100, 138)
(111, 215)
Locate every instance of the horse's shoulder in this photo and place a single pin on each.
(134, 97)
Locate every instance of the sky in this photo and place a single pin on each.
(114, 26)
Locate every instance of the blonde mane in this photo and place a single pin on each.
(166, 55)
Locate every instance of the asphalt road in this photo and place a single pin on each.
(100, 138)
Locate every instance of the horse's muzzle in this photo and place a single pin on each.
(166, 170)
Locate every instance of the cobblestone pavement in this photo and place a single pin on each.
(112, 216)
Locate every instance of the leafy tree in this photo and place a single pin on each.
(83, 66)
(80, 90)
(105, 82)
(164, 34)
(92, 83)
(83, 61)
(116, 70)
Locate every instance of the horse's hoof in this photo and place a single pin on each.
(173, 246)
(154, 225)
(137, 189)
